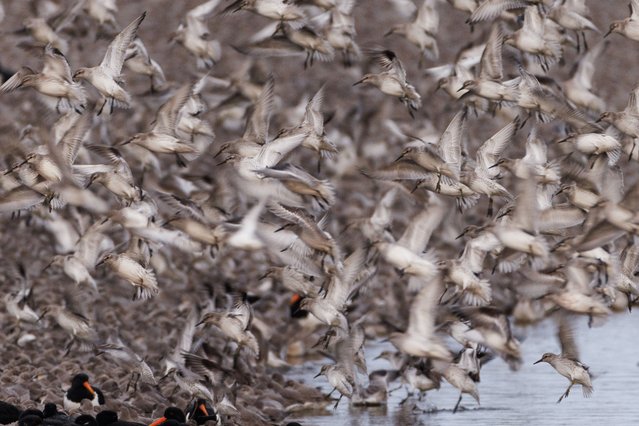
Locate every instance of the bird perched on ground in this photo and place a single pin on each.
(80, 390)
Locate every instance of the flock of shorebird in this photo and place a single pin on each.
(355, 219)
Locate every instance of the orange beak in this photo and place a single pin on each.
(294, 299)
(158, 421)
(203, 408)
(88, 387)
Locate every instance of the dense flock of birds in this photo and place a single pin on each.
(184, 240)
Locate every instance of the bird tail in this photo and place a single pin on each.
(587, 390)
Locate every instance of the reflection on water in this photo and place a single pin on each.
(527, 396)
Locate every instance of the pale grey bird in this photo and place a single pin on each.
(277, 10)
(491, 9)
(341, 375)
(567, 363)
(628, 27)
(329, 306)
(420, 338)
(376, 393)
(162, 137)
(54, 81)
(138, 60)
(128, 268)
(579, 87)
(131, 361)
(392, 81)
(422, 30)
(106, 76)
(194, 35)
(235, 325)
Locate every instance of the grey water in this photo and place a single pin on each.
(524, 397)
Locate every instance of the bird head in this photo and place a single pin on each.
(614, 27)
(545, 358)
(80, 73)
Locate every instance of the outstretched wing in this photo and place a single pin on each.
(114, 57)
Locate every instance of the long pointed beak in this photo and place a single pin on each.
(88, 387)
(317, 375)
(359, 82)
(16, 166)
(203, 409)
(91, 179)
(608, 33)
(48, 266)
(537, 362)
(44, 312)
(460, 235)
(158, 421)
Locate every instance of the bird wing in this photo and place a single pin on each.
(15, 81)
(274, 151)
(382, 216)
(388, 60)
(526, 211)
(56, 64)
(181, 205)
(586, 66)
(114, 57)
(533, 21)
(491, 9)
(422, 310)
(421, 227)
(258, 123)
(492, 149)
(196, 17)
(634, 10)
(73, 139)
(428, 17)
(633, 102)
(491, 59)
(167, 116)
(566, 336)
(630, 259)
(313, 112)
(116, 158)
(450, 142)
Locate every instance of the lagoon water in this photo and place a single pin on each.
(525, 397)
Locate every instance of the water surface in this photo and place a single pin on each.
(527, 396)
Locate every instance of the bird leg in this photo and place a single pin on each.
(438, 187)
(68, 346)
(331, 393)
(408, 395)
(565, 394)
(489, 213)
(337, 403)
(102, 107)
(457, 405)
(583, 35)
